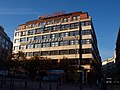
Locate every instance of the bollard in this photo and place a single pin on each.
(80, 87)
(4, 81)
(26, 85)
(50, 86)
(1, 85)
(40, 85)
(12, 84)
(57, 87)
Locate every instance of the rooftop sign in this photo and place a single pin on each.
(52, 14)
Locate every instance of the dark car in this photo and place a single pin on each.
(50, 78)
(116, 81)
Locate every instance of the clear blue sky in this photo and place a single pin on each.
(105, 15)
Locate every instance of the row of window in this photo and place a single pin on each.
(48, 36)
(3, 40)
(5, 46)
(4, 43)
(43, 45)
(58, 52)
(51, 36)
(74, 18)
(53, 28)
(47, 29)
(52, 44)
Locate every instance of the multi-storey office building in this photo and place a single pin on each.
(5, 46)
(68, 36)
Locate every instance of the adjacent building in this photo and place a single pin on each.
(109, 67)
(5, 46)
(118, 48)
(118, 55)
(60, 36)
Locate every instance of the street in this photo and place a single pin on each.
(22, 84)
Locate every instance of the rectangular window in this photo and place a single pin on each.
(56, 35)
(30, 46)
(29, 54)
(37, 45)
(43, 45)
(47, 44)
(85, 23)
(7, 42)
(86, 51)
(52, 35)
(72, 51)
(57, 21)
(3, 41)
(66, 43)
(56, 27)
(48, 36)
(17, 34)
(82, 24)
(61, 43)
(55, 43)
(47, 29)
(44, 53)
(86, 61)
(23, 33)
(30, 32)
(44, 37)
(37, 31)
(74, 42)
(54, 52)
(22, 47)
(3, 45)
(36, 53)
(71, 42)
(65, 19)
(30, 39)
(6, 47)
(61, 34)
(37, 38)
(15, 41)
(52, 44)
(76, 32)
(66, 26)
(16, 48)
(74, 18)
(85, 32)
(74, 25)
(22, 39)
(62, 52)
(72, 33)
(86, 41)
(0, 37)
(66, 34)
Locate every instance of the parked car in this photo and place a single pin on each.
(116, 81)
(108, 80)
(51, 78)
(54, 75)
